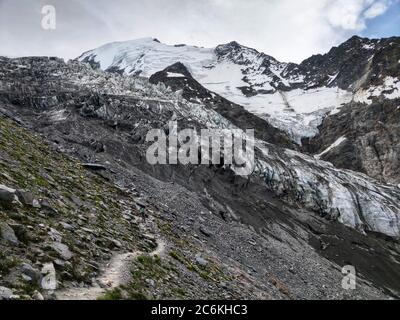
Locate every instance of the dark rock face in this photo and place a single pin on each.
(263, 227)
(372, 141)
(348, 63)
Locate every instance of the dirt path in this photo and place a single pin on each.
(114, 274)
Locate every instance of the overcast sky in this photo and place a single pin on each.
(290, 30)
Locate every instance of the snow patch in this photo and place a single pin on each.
(332, 78)
(337, 143)
(370, 46)
(297, 112)
(390, 89)
(174, 75)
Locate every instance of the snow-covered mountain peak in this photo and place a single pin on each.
(237, 53)
(145, 56)
(292, 97)
(243, 55)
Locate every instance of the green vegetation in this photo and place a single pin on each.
(114, 294)
(210, 272)
(7, 262)
(76, 197)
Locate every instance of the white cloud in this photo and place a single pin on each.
(289, 30)
(375, 10)
(346, 14)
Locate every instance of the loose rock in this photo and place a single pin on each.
(62, 250)
(31, 272)
(205, 231)
(200, 260)
(7, 234)
(5, 293)
(27, 198)
(7, 196)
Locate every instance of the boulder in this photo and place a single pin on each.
(117, 243)
(200, 260)
(67, 226)
(62, 250)
(6, 294)
(150, 282)
(31, 272)
(7, 234)
(21, 232)
(7, 196)
(140, 204)
(27, 198)
(37, 296)
(205, 231)
(45, 204)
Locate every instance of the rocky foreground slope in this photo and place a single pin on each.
(61, 224)
(279, 234)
